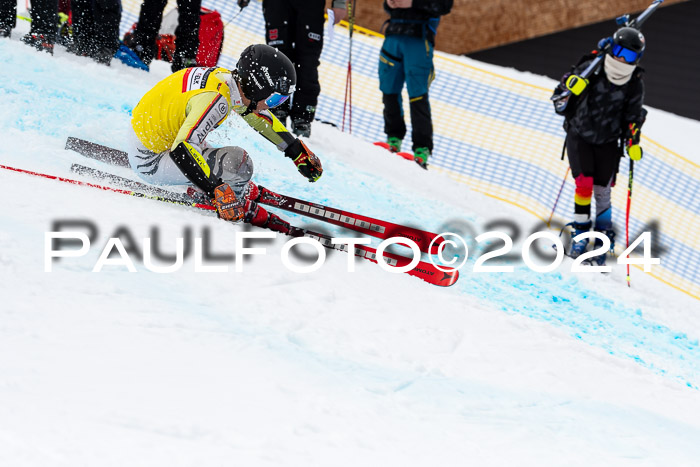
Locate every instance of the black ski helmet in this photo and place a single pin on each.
(630, 39)
(264, 70)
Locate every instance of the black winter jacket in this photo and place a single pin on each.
(604, 110)
(421, 20)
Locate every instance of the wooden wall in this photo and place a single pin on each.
(481, 24)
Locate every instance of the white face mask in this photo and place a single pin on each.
(617, 72)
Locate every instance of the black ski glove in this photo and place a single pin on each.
(306, 161)
(632, 137)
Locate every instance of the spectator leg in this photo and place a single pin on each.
(308, 44)
(419, 74)
(107, 15)
(394, 124)
(279, 33)
(150, 18)
(391, 80)
(8, 15)
(187, 32)
(45, 18)
(83, 22)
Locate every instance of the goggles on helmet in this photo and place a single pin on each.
(629, 56)
(275, 99)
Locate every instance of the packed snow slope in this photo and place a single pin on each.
(272, 367)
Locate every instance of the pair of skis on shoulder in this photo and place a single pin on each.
(428, 242)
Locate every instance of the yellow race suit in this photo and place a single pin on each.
(190, 103)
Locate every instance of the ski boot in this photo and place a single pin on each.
(103, 55)
(181, 62)
(144, 53)
(421, 155)
(394, 143)
(40, 42)
(579, 247)
(601, 259)
(258, 216)
(301, 128)
(301, 120)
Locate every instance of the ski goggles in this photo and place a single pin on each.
(276, 99)
(629, 56)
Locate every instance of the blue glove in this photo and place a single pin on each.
(605, 43)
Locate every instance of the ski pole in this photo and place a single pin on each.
(348, 80)
(556, 201)
(167, 199)
(627, 216)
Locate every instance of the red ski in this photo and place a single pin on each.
(423, 270)
(357, 222)
(406, 155)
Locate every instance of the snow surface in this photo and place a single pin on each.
(270, 367)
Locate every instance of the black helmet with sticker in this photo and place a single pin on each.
(264, 71)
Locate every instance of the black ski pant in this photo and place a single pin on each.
(593, 167)
(295, 27)
(45, 18)
(407, 60)
(186, 33)
(96, 26)
(421, 119)
(8, 14)
(599, 161)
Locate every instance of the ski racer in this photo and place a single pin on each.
(172, 120)
(603, 116)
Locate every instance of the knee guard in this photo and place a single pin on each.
(233, 165)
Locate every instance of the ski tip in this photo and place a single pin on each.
(71, 143)
(448, 279)
(435, 276)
